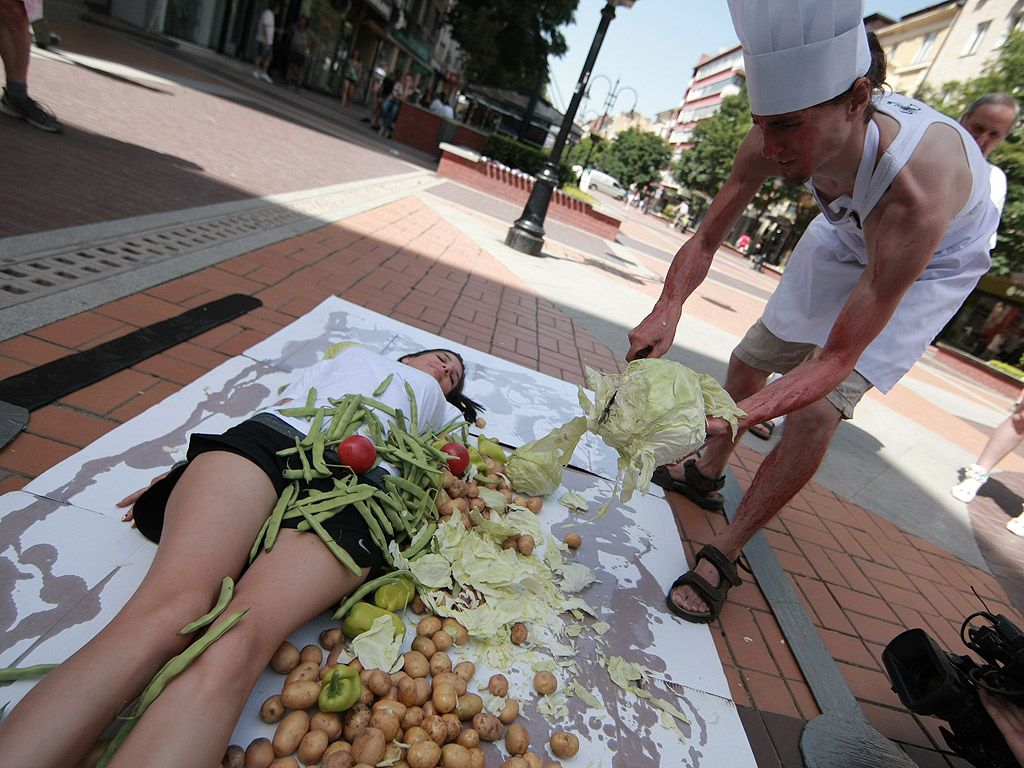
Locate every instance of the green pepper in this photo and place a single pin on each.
(490, 448)
(395, 596)
(341, 689)
(362, 615)
(477, 460)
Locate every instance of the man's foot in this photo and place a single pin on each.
(686, 597)
(975, 476)
(31, 112)
(256, 74)
(699, 595)
(266, 77)
(702, 491)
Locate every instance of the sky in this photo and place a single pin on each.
(651, 49)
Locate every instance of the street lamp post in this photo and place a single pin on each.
(527, 234)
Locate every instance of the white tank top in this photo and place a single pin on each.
(831, 255)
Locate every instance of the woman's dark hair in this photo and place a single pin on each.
(876, 77)
(470, 408)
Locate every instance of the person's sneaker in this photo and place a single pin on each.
(1016, 525)
(266, 77)
(31, 112)
(975, 476)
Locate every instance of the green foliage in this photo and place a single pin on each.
(591, 146)
(506, 43)
(999, 365)
(524, 157)
(1005, 73)
(635, 157)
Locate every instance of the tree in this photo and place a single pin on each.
(1005, 73)
(635, 157)
(505, 43)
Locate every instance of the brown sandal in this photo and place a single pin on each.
(713, 596)
(702, 491)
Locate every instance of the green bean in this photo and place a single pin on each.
(371, 522)
(343, 418)
(384, 385)
(413, 410)
(298, 412)
(420, 540)
(274, 525)
(311, 397)
(171, 669)
(227, 589)
(307, 471)
(336, 550)
(25, 673)
(255, 550)
(319, 465)
(389, 524)
(314, 428)
(378, 405)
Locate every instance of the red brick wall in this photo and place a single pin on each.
(516, 189)
(419, 128)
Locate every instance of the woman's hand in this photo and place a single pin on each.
(130, 499)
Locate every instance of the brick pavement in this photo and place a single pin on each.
(861, 579)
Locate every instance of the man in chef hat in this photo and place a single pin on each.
(902, 238)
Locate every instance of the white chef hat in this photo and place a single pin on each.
(798, 53)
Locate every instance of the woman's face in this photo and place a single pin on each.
(442, 365)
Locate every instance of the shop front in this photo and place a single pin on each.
(990, 324)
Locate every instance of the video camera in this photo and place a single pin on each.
(930, 681)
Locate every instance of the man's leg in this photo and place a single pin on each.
(787, 469)
(15, 46)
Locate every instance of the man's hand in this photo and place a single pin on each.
(656, 333)
(1009, 719)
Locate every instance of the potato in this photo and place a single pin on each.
(488, 726)
(453, 724)
(355, 721)
(518, 633)
(385, 722)
(369, 747)
(312, 653)
(424, 645)
(393, 706)
(435, 728)
(423, 754)
(416, 734)
(417, 606)
(407, 691)
(428, 707)
(413, 716)
(440, 662)
(285, 658)
(273, 709)
(453, 680)
(509, 712)
(330, 637)
(520, 501)
(379, 682)
(444, 697)
(259, 753)
(533, 761)
(423, 691)
(498, 685)
(312, 747)
(515, 762)
(341, 758)
(301, 695)
(534, 504)
(416, 664)
(332, 657)
(469, 704)
(512, 542)
(544, 682)
(457, 632)
(305, 670)
(526, 544)
(234, 757)
(468, 738)
(285, 762)
(572, 540)
(441, 640)
(465, 670)
(476, 757)
(289, 732)
(428, 625)
(564, 745)
(517, 739)
(328, 722)
(455, 756)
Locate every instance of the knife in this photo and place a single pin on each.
(604, 414)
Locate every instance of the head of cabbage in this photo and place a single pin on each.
(536, 467)
(658, 416)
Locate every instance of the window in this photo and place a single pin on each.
(926, 46)
(975, 40)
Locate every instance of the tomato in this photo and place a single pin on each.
(357, 453)
(459, 461)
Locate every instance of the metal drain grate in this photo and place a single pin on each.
(51, 271)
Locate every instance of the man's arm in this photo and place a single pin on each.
(691, 263)
(901, 235)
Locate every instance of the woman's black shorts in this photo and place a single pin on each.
(258, 440)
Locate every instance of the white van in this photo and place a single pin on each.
(602, 182)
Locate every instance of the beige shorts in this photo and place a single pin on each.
(763, 350)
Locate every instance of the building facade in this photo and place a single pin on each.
(714, 78)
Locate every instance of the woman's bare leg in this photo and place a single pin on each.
(196, 552)
(192, 720)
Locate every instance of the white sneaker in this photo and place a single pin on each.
(974, 477)
(256, 74)
(1016, 525)
(266, 77)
